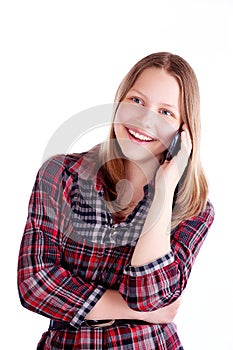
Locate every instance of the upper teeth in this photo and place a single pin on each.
(140, 136)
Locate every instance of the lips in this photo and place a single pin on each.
(139, 136)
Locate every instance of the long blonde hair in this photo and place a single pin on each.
(192, 191)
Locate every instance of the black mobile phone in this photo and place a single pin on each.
(174, 147)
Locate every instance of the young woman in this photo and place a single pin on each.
(112, 234)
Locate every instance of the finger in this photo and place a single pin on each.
(180, 161)
(186, 138)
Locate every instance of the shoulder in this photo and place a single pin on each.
(57, 164)
(62, 168)
(55, 171)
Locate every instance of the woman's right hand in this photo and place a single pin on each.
(162, 315)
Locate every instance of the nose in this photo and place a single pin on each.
(150, 119)
(153, 122)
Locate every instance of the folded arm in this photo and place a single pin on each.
(44, 285)
(159, 283)
(112, 306)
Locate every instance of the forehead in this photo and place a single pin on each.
(157, 82)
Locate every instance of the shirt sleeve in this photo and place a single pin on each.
(44, 285)
(159, 283)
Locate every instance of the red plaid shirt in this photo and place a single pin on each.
(71, 253)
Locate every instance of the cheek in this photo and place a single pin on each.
(119, 130)
(130, 113)
(165, 132)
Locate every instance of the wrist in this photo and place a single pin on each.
(112, 306)
(164, 190)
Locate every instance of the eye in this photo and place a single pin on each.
(137, 100)
(166, 112)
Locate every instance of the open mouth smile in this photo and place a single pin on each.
(139, 136)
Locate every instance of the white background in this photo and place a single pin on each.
(61, 57)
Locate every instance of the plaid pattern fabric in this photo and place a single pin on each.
(71, 253)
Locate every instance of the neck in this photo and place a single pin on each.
(140, 174)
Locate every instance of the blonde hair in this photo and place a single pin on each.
(192, 191)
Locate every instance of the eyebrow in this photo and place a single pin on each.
(161, 103)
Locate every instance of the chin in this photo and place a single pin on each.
(137, 154)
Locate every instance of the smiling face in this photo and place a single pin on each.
(149, 115)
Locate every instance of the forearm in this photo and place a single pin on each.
(46, 287)
(112, 306)
(158, 284)
(154, 240)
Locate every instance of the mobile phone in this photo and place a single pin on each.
(174, 147)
